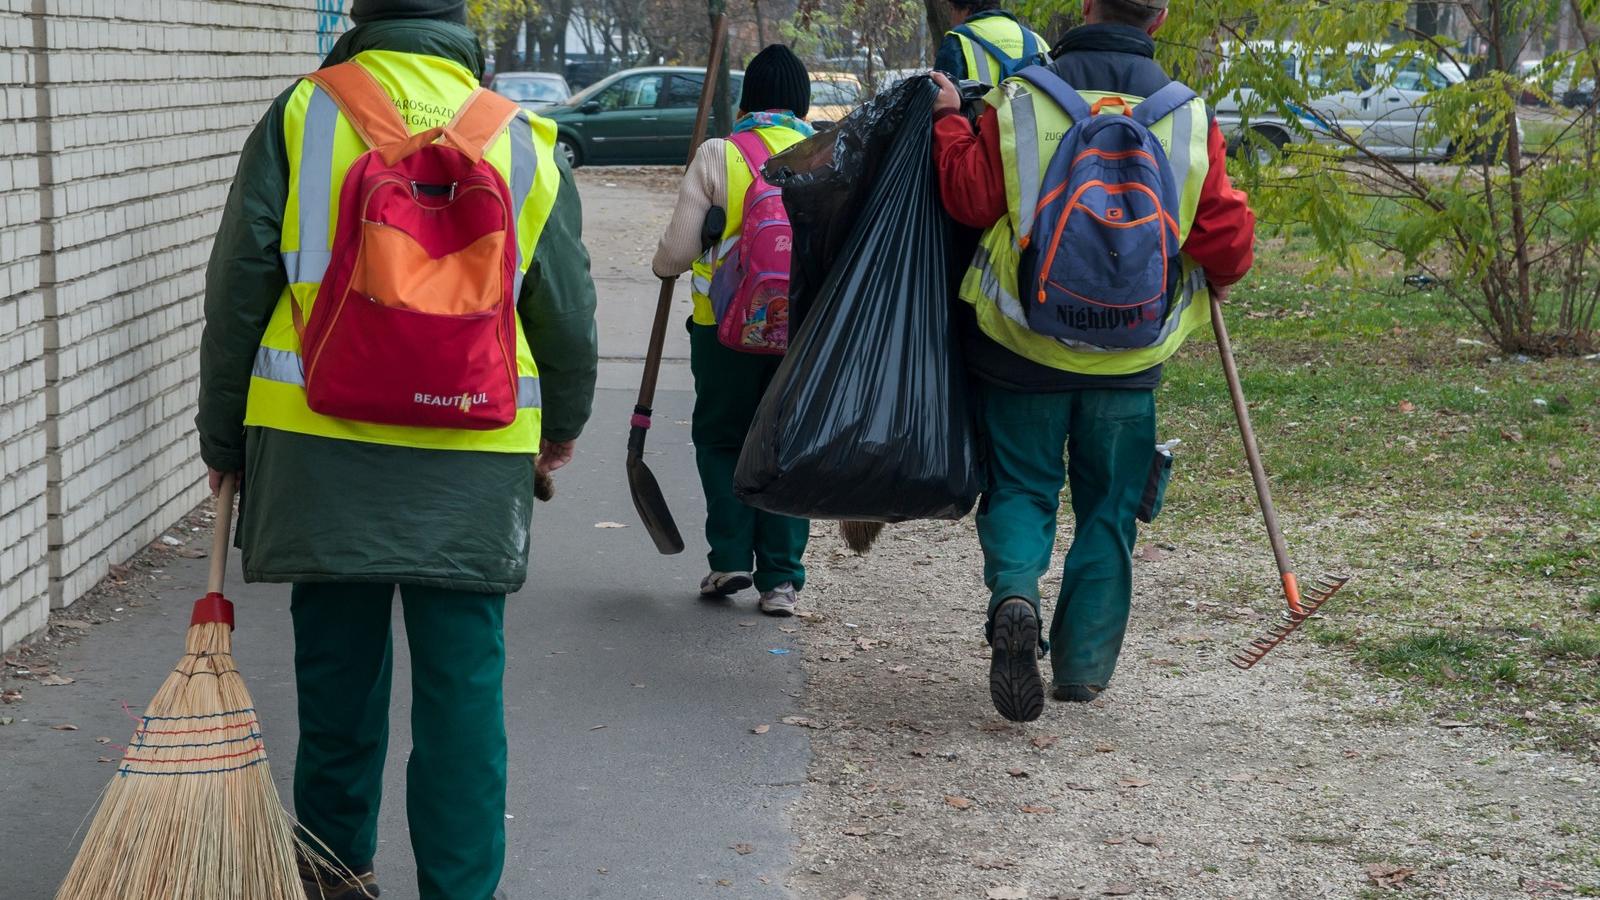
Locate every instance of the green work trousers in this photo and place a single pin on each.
(1109, 442)
(727, 388)
(456, 775)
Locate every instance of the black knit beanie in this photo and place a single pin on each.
(776, 79)
(362, 11)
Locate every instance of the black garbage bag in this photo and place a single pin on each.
(868, 417)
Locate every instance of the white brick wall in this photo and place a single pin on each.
(120, 123)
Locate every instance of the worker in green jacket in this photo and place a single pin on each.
(347, 511)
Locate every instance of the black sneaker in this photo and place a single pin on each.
(323, 883)
(1076, 693)
(1014, 682)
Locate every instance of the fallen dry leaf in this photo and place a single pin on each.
(742, 849)
(761, 729)
(802, 722)
(724, 882)
(54, 680)
(74, 624)
(1511, 434)
(1152, 553)
(1116, 839)
(959, 802)
(1407, 407)
(993, 862)
(1388, 874)
(1075, 786)
(1039, 810)
(63, 727)
(1555, 462)
(857, 830)
(1162, 661)
(105, 759)
(1148, 840)
(1119, 889)
(1017, 773)
(1007, 892)
(920, 752)
(10, 695)
(1046, 741)
(1134, 782)
(1103, 747)
(1240, 777)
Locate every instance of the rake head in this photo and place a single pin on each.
(1308, 602)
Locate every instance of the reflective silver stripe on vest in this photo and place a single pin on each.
(1011, 307)
(528, 393)
(1178, 158)
(713, 260)
(981, 57)
(278, 365)
(310, 263)
(524, 166)
(1025, 128)
(284, 366)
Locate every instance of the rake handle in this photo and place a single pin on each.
(222, 533)
(1252, 453)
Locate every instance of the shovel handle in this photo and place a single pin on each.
(1252, 453)
(658, 339)
(222, 533)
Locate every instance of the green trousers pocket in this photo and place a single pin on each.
(1155, 486)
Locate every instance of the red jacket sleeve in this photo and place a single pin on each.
(1223, 237)
(971, 180)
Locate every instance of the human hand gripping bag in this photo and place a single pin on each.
(868, 417)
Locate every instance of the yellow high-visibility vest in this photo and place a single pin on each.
(1000, 31)
(1031, 127)
(777, 139)
(321, 146)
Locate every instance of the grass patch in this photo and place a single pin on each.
(1460, 487)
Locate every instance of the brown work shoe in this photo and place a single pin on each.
(323, 883)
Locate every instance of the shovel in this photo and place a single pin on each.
(647, 496)
(1301, 606)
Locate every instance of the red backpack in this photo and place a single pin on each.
(750, 292)
(415, 321)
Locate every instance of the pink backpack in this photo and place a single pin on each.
(750, 292)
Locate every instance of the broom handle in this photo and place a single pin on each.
(1269, 514)
(221, 535)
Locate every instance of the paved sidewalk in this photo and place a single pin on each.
(630, 707)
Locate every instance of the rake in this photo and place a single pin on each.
(1301, 606)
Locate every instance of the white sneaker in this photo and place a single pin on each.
(726, 584)
(780, 601)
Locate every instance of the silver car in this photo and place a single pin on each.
(1385, 110)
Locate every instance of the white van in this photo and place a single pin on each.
(1385, 109)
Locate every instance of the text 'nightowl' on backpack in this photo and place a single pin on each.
(1101, 264)
(415, 322)
(750, 290)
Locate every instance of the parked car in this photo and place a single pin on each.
(639, 117)
(1384, 106)
(834, 95)
(533, 90)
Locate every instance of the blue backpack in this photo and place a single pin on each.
(1008, 66)
(1101, 266)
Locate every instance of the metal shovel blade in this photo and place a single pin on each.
(648, 499)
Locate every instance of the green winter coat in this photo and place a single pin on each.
(318, 509)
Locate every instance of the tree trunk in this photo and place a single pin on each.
(1430, 18)
(938, 21)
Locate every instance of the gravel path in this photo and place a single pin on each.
(1187, 778)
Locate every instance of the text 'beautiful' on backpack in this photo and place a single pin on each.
(415, 322)
(1101, 264)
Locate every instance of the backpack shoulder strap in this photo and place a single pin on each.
(1030, 43)
(987, 45)
(752, 149)
(1162, 103)
(1056, 88)
(364, 102)
(479, 122)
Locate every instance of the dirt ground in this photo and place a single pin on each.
(1187, 778)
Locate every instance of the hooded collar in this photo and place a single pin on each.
(1107, 37)
(428, 37)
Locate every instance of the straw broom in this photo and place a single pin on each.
(191, 813)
